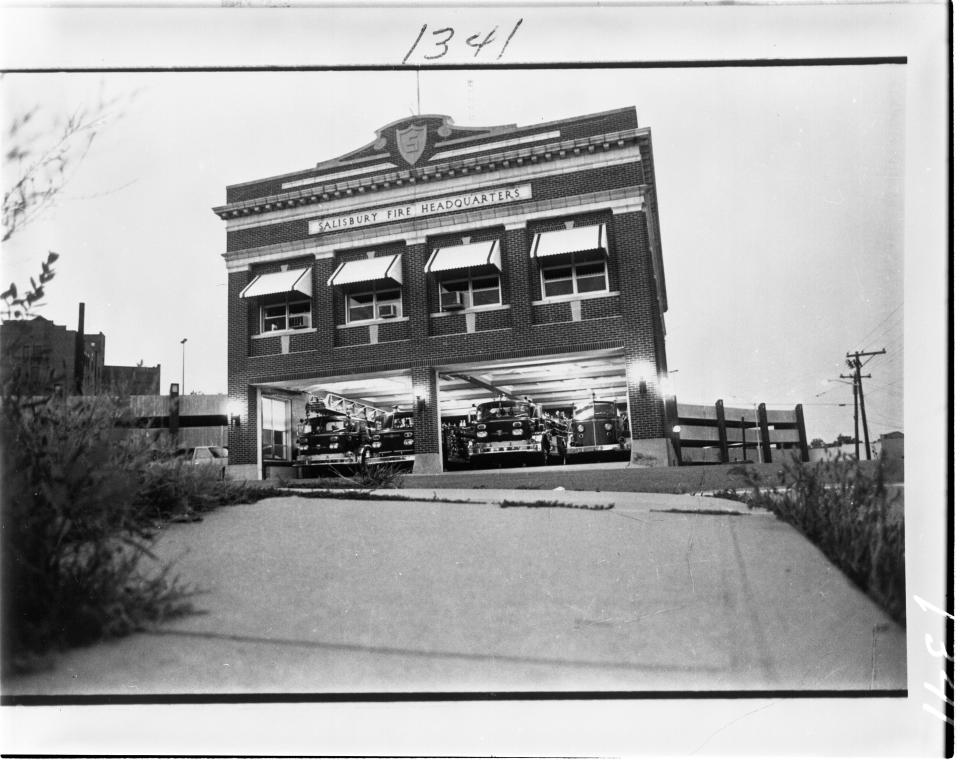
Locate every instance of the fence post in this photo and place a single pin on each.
(802, 430)
(174, 421)
(722, 432)
(764, 433)
(671, 411)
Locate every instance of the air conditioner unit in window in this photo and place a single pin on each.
(388, 312)
(451, 301)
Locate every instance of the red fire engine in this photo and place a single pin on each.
(393, 441)
(335, 431)
(512, 427)
(598, 426)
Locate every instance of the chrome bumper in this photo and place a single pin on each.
(328, 458)
(389, 458)
(571, 450)
(486, 448)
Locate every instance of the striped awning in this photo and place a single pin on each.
(275, 283)
(368, 270)
(460, 256)
(581, 239)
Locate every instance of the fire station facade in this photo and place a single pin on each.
(439, 264)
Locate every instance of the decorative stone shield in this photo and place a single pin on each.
(411, 142)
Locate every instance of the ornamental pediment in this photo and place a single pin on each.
(413, 141)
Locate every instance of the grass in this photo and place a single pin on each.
(849, 513)
(555, 504)
(700, 512)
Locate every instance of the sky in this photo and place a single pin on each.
(780, 194)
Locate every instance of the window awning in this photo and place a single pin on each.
(274, 283)
(368, 270)
(582, 239)
(460, 256)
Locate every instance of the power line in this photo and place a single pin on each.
(895, 385)
(877, 326)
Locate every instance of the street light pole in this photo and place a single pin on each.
(183, 366)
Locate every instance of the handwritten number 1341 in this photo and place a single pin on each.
(445, 35)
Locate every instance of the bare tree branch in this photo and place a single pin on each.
(40, 167)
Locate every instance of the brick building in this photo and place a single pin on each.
(441, 264)
(43, 354)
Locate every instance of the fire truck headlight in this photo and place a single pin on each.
(608, 426)
(517, 432)
(408, 434)
(580, 428)
(517, 424)
(408, 442)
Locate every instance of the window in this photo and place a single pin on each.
(288, 316)
(275, 429)
(381, 305)
(574, 278)
(477, 291)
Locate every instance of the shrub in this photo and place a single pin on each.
(845, 508)
(76, 552)
(369, 477)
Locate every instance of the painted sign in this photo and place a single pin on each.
(404, 211)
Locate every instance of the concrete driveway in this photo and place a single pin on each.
(659, 592)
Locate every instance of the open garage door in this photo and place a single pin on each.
(534, 410)
(309, 425)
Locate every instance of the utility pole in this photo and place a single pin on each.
(856, 417)
(79, 349)
(857, 365)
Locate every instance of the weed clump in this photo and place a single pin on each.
(845, 509)
(79, 510)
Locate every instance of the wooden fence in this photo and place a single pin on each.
(718, 434)
(202, 419)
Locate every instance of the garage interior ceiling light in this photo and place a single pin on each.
(274, 283)
(462, 256)
(582, 239)
(368, 270)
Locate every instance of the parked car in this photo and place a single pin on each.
(205, 455)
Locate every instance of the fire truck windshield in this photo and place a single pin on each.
(503, 409)
(595, 410)
(398, 421)
(335, 425)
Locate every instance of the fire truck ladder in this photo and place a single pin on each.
(352, 407)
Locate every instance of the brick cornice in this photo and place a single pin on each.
(416, 231)
(428, 173)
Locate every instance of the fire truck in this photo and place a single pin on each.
(392, 441)
(334, 432)
(512, 427)
(598, 426)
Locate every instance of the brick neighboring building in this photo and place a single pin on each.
(546, 236)
(43, 353)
